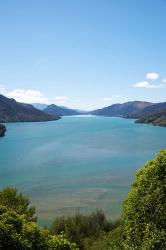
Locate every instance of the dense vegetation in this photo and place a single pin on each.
(144, 211)
(18, 229)
(10, 198)
(142, 227)
(157, 119)
(83, 229)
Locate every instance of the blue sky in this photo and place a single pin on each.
(83, 54)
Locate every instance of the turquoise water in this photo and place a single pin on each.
(77, 162)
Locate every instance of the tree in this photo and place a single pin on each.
(144, 211)
(17, 233)
(10, 198)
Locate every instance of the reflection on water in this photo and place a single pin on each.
(77, 162)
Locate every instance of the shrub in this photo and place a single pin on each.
(17, 233)
(144, 211)
(82, 229)
(10, 198)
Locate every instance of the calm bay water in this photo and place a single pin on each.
(77, 162)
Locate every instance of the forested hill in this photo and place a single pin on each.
(144, 112)
(126, 109)
(13, 111)
(157, 118)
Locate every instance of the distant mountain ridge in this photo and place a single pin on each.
(13, 111)
(144, 112)
(126, 110)
(40, 106)
(62, 111)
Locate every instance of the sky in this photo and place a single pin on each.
(83, 54)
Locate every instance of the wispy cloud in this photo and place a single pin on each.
(27, 96)
(152, 76)
(148, 85)
(61, 99)
(111, 99)
(144, 84)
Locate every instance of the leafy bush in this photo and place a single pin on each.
(144, 211)
(18, 228)
(82, 229)
(17, 233)
(10, 198)
(110, 241)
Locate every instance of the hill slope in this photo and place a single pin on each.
(152, 109)
(12, 111)
(156, 115)
(144, 112)
(61, 111)
(127, 110)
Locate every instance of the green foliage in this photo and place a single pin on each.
(10, 198)
(82, 229)
(112, 240)
(17, 233)
(59, 242)
(144, 211)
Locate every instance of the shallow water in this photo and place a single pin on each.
(77, 162)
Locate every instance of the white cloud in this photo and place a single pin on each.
(148, 85)
(61, 99)
(111, 99)
(32, 96)
(27, 96)
(152, 76)
(144, 84)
